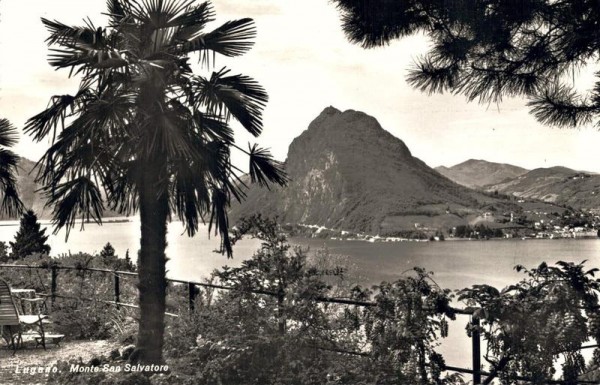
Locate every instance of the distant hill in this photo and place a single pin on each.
(348, 173)
(559, 185)
(475, 173)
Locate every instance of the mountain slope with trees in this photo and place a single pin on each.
(346, 172)
(476, 173)
(558, 185)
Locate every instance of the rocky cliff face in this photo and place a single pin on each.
(348, 173)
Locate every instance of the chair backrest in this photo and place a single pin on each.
(8, 310)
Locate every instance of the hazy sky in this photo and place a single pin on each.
(304, 61)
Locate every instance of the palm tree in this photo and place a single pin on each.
(10, 203)
(148, 134)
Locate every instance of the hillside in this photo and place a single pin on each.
(558, 185)
(27, 189)
(475, 173)
(348, 173)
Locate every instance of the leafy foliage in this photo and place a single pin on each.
(271, 328)
(3, 252)
(30, 238)
(404, 328)
(79, 310)
(477, 231)
(486, 50)
(528, 326)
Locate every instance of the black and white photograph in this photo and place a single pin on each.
(285, 192)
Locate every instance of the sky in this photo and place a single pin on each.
(305, 63)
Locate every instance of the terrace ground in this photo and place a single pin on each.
(11, 366)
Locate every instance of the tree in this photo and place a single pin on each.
(487, 49)
(545, 318)
(108, 251)
(30, 238)
(10, 203)
(3, 252)
(149, 133)
(289, 337)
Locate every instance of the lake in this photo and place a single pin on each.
(456, 264)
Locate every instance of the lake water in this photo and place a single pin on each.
(456, 264)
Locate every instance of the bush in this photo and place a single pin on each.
(78, 310)
(237, 336)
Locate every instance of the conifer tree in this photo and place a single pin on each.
(30, 237)
(490, 49)
(108, 251)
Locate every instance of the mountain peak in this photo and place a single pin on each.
(350, 131)
(331, 110)
(347, 172)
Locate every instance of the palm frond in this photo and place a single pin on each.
(160, 12)
(264, 169)
(78, 197)
(86, 145)
(122, 193)
(167, 132)
(86, 59)
(68, 36)
(237, 95)
(11, 203)
(219, 219)
(234, 38)
(8, 134)
(190, 196)
(213, 127)
(191, 23)
(117, 11)
(40, 125)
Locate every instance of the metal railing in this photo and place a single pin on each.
(192, 286)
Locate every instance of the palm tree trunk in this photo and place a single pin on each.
(151, 265)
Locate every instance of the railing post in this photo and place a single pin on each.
(476, 341)
(192, 295)
(117, 290)
(53, 284)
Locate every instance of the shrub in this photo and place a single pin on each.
(79, 310)
(288, 337)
